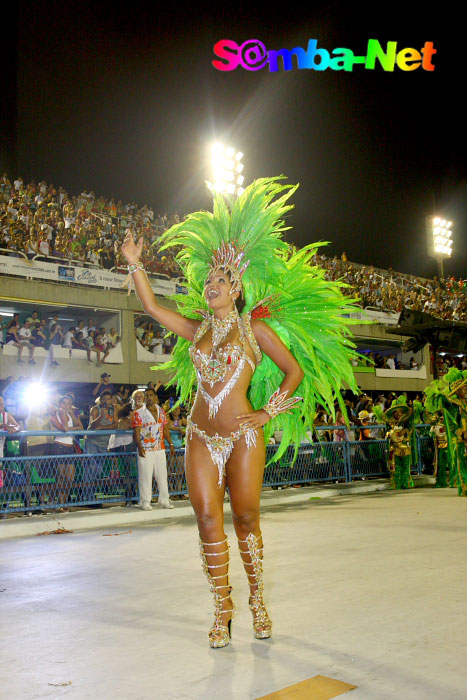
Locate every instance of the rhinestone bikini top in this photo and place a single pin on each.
(213, 368)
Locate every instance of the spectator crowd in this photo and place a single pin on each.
(38, 219)
(153, 337)
(35, 332)
(386, 290)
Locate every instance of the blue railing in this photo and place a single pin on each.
(51, 481)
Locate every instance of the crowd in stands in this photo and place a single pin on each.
(152, 337)
(35, 332)
(387, 290)
(39, 219)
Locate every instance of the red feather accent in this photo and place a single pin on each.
(261, 312)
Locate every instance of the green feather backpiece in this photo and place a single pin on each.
(438, 401)
(309, 313)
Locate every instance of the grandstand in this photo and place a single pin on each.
(60, 255)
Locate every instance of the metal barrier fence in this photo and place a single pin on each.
(31, 483)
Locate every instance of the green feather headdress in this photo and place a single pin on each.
(309, 313)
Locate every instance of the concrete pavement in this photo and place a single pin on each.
(19, 525)
(368, 589)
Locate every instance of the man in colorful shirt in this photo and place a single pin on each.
(151, 428)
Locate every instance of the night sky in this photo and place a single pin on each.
(125, 101)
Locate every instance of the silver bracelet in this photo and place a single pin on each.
(135, 266)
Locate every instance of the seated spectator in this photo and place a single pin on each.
(82, 329)
(100, 349)
(145, 341)
(156, 345)
(12, 338)
(53, 321)
(90, 326)
(413, 364)
(89, 343)
(24, 337)
(33, 319)
(140, 331)
(56, 335)
(113, 337)
(67, 339)
(40, 340)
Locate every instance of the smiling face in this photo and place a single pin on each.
(217, 290)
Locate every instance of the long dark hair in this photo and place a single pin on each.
(240, 304)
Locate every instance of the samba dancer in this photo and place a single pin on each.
(228, 258)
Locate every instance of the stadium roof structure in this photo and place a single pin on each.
(422, 328)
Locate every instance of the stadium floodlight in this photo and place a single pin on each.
(226, 170)
(439, 239)
(36, 394)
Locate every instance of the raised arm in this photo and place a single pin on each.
(273, 347)
(172, 320)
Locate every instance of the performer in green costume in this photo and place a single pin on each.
(449, 394)
(444, 469)
(456, 423)
(401, 435)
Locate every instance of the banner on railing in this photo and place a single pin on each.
(386, 317)
(93, 277)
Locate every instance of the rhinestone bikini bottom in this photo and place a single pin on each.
(220, 447)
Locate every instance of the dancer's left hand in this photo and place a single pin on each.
(254, 419)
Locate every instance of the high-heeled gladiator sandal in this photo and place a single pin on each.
(219, 634)
(262, 625)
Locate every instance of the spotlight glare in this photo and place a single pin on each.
(226, 168)
(35, 394)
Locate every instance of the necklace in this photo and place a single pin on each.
(221, 327)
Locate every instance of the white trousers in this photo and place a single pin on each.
(153, 463)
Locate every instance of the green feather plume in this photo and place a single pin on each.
(309, 313)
